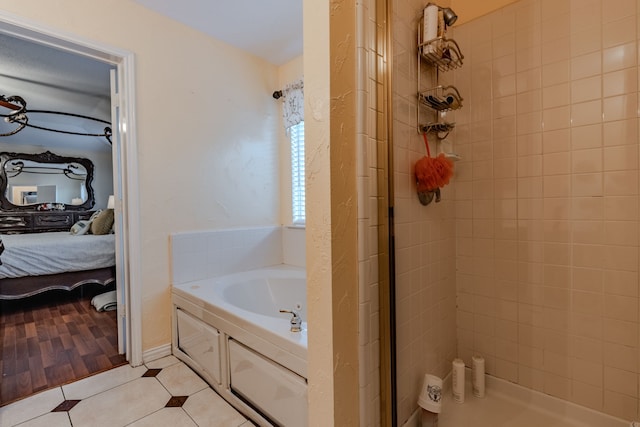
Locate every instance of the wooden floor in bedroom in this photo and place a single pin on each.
(52, 339)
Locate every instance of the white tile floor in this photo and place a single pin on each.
(124, 396)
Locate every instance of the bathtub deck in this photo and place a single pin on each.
(508, 405)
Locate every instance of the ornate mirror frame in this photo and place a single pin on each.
(46, 157)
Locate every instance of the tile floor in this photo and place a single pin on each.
(164, 392)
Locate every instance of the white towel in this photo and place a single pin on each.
(105, 302)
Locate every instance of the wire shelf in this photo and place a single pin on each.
(441, 52)
(441, 98)
(443, 127)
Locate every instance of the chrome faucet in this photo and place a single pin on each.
(296, 321)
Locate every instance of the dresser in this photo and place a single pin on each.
(38, 222)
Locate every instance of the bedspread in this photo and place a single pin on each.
(57, 252)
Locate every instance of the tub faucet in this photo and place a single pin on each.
(296, 321)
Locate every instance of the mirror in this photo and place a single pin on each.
(45, 181)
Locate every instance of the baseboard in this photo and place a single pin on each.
(156, 353)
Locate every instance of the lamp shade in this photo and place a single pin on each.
(111, 204)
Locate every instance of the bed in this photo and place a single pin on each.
(39, 262)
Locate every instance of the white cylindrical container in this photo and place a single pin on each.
(457, 386)
(431, 394)
(430, 25)
(477, 375)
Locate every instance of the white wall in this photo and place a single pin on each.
(206, 132)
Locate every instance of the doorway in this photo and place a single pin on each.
(125, 172)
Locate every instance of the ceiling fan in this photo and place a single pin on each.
(18, 114)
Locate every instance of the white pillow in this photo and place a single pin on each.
(80, 228)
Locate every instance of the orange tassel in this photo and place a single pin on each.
(432, 173)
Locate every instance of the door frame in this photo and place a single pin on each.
(128, 206)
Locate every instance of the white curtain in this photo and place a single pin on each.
(293, 108)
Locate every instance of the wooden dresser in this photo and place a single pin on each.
(38, 222)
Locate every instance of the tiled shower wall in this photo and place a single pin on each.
(424, 235)
(547, 199)
(370, 113)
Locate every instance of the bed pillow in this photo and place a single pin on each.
(80, 228)
(103, 222)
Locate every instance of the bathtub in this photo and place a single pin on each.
(230, 330)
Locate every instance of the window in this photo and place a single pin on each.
(296, 134)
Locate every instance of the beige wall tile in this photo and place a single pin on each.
(620, 107)
(618, 158)
(623, 283)
(584, 161)
(587, 372)
(587, 185)
(555, 73)
(584, 137)
(618, 9)
(556, 141)
(621, 332)
(557, 275)
(586, 65)
(620, 82)
(621, 208)
(586, 89)
(588, 349)
(621, 258)
(586, 325)
(620, 405)
(556, 385)
(621, 233)
(619, 57)
(558, 208)
(531, 378)
(557, 186)
(585, 41)
(590, 232)
(587, 208)
(556, 95)
(619, 32)
(587, 395)
(620, 381)
(587, 279)
(621, 307)
(623, 132)
(587, 302)
(586, 113)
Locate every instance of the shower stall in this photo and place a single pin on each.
(530, 258)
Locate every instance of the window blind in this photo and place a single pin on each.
(296, 133)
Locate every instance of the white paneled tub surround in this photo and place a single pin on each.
(229, 329)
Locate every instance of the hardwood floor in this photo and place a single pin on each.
(53, 339)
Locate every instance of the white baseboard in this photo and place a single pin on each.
(156, 353)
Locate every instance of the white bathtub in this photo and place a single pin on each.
(230, 330)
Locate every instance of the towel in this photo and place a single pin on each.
(105, 302)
